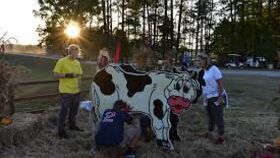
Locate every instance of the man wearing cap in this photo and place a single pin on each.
(68, 70)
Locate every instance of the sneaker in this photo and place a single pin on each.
(220, 141)
(63, 135)
(75, 128)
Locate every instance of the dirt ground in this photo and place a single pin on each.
(250, 123)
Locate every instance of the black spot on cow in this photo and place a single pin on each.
(136, 83)
(104, 81)
(129, 68)
(158, 111)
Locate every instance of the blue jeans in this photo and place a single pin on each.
(216, 116)
(68, 102)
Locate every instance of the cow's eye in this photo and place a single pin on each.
(178, 86)
(185, 89)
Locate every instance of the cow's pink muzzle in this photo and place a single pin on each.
(178, 104)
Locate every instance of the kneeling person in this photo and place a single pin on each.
(110, 134)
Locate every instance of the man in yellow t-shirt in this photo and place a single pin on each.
(68, 70)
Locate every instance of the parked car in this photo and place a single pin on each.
(234, 61)
(256, 62)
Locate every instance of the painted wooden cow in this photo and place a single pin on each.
(157, 94)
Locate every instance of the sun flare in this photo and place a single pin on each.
(72, 30)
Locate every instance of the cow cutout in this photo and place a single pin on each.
(161, 95)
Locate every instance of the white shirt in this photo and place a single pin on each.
(211, 88)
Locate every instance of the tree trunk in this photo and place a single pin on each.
(123, 15)
(135, 28)
(11, 100)
(128, 32)
(197, 28)
(111, 18)
(155, 24)
(278, 8)
(179, 30)
(243, 47)
(149, 25)
(197, 37)
(201, 34)
(260, 8)
(144, 22)
(118, 10)
(231, 10)
(104, 16)
(278, 11)
(269, 10)
(172, 24)
(164, 30)
(108, 16)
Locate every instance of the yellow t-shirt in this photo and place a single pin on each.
(66, 65)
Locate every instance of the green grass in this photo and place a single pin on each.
(252, 93)
(36, 69)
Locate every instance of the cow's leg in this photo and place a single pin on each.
(96, 103)
(173, 133)
(161, 129)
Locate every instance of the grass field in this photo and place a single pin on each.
(250, 122)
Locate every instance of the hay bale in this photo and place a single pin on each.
(25, 126)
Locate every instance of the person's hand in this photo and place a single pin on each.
(127, 109)
(69, 75)
(220, 100)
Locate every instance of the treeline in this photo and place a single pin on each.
(248, 27)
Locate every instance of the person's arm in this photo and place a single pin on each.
(128, 118)
(67, 75)
(218, 77)
(59, 75)
(221, 89)
(58, 71)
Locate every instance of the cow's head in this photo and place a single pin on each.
(182, 91)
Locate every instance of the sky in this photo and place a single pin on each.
(16, 17)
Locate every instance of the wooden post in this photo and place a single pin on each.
(11, 101)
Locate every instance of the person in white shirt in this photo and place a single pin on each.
(213, 97)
